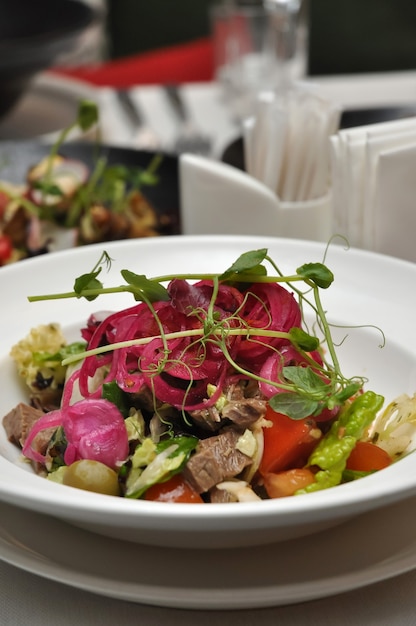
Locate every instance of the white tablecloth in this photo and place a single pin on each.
(28, 600)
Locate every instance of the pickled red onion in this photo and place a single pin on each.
(94, 430)
(178, 370)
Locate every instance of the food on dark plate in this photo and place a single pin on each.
(65, 202)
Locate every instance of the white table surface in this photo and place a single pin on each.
(29, 599)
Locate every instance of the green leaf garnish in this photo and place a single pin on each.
(293, 405)
(348, 392)
(87, 282)
(112, 392)
(303, 340)
(72, 348)
(317, 273)
(306, 379)
(87, 114)
(150, 289)
(247, 263)
(50, 189)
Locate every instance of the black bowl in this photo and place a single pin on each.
(33, 35)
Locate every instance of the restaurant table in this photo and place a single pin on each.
(190, 66)
(27, 598)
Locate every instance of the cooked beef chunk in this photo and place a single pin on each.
(243, 406)
(46, 400)
(18, 423)
(243, 389)
(216, 459)
(143, 399)
(244, 413)
(219, 496)
(251, 389)
(208, 419)
(235, 391)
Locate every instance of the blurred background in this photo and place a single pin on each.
(345, 36)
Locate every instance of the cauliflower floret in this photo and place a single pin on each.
(33, 355)
(394, 429)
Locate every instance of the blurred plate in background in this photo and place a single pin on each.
(136, 219)
(17, 157)
(49, 105)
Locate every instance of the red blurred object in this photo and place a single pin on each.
(184, 63)
(6, 249)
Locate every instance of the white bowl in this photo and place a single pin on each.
(369, 289)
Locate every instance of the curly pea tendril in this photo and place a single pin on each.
(304, 390)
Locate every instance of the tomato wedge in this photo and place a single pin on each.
(287, 443)
(287, 483)
(176, 489)
(368, 457)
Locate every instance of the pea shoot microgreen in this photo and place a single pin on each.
(304, 390)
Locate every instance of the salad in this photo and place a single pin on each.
(209, 388)
(64, 202)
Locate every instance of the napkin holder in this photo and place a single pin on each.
(308, 219)
(217, 198)
(374, 186)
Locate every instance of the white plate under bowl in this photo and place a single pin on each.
(49, 105)
(369, 291)
(335, 561)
